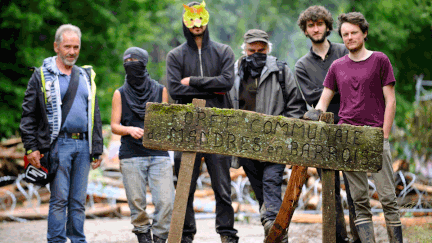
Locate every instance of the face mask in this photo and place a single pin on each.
(134, 73)
(255, 64)
(196, 15)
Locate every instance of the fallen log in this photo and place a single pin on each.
(10, 142)
(100, 209)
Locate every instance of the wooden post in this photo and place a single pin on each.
(182, 190)
(329, 208)
(328, 196)
(292, 195)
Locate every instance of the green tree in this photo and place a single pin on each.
(400, 29)
(108, 29)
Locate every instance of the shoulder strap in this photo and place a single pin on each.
(281, 79)
(69, 97)
(43, 84)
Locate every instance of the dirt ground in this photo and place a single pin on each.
(105, 230)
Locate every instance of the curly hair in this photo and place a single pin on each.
(355, 18)
(315, 13)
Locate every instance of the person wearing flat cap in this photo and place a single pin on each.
(141, 166)
(258, 87)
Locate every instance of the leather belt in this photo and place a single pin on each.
(74, 135)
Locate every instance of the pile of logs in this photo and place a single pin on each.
(107, 197)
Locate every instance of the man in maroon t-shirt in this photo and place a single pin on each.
(365, 81)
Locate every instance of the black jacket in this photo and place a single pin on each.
(210, 73)
(34, 127)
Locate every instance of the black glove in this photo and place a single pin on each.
(313, 115)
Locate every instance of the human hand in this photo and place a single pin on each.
(96, 163)
(136, 132)
(185, 81)
(34, 158)
(313, 115)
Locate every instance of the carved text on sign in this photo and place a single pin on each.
(262, 137)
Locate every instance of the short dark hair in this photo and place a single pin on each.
(355, 18)
(315, 13)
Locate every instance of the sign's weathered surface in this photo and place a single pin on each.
(267, 138)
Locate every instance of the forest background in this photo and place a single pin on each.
(399, 28)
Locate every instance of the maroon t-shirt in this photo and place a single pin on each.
(360, 86)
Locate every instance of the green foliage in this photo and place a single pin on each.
(401, 29)
(108, 29)
(419, 128)
(277, 17)
(421, 233)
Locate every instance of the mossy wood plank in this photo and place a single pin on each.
(182, 190)
(262, 137)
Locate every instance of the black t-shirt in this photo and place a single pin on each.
(131, 147)
(247, 93)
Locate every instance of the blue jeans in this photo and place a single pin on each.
(156, 171)
(68, 192)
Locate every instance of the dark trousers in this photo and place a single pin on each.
(218, 167)
(341, 232)
(266, 181)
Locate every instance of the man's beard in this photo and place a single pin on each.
(321, 40)
(67, 62)
(198, 35)
(356, 49)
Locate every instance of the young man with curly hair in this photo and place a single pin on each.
(366, 82)
(316, 22)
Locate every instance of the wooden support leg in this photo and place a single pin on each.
(329, 209)
(292, 195)
(182, 191)
(181, 197)
(328, 196)
(286, 211)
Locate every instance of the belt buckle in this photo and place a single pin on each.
(75, 135)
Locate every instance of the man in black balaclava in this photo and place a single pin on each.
(204, 69)
(257, 88)
(141, 166)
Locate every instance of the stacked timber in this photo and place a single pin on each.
(107, 197)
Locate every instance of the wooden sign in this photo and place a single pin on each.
(256, 136)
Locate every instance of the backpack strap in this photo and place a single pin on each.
(281, 79)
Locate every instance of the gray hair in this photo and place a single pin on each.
(66, 28)
(243, 47)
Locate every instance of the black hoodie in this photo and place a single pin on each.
(214, 73)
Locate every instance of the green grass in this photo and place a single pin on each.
(418, 234)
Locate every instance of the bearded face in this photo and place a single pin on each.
(316, 31)
(68, 49)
